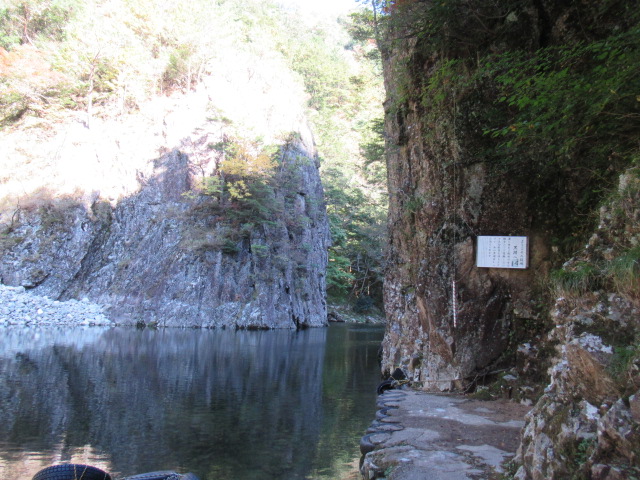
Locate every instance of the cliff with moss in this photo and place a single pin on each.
(587, 422)
(518, 118)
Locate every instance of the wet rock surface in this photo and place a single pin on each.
(417, 435)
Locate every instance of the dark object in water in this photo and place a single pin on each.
(74, 471)
(71, 471)
(164, 475)
(397, 379)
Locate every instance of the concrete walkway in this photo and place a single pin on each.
(422, 436)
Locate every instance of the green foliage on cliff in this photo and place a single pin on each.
(583, 277)
(613, 259)
(624, 271)
(571, 101)
(27, 21)
(560, 118)
(254, 188)
(243, 188)
(571, 117)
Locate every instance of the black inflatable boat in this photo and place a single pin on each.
(75, 471)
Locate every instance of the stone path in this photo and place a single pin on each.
(422, 436)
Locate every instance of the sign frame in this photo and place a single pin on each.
(494, 251)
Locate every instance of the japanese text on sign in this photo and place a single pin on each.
(502, 252)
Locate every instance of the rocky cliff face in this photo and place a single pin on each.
(452, 178)
(145, 261)
(447, 319)
(140, 234)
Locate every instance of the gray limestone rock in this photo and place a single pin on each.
(154, 257)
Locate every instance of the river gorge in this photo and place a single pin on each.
(191, 191)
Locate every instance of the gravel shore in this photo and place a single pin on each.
(19, 307)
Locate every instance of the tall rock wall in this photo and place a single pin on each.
(151, 258)
(449, 321)
(587, 422)
(464, 161)
(123, 210)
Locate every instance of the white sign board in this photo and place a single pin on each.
(502, 252)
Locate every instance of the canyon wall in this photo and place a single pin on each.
(464, 161)
(519, 119)
(137, 212)
(449, 320)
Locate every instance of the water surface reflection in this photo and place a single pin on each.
(223, 404)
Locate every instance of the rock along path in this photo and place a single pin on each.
(422, 436)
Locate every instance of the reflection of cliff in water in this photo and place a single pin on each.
(221, 402)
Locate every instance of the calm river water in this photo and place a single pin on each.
(230, 405)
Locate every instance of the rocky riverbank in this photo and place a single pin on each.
(19, 307)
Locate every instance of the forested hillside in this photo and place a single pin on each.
(74, 72)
